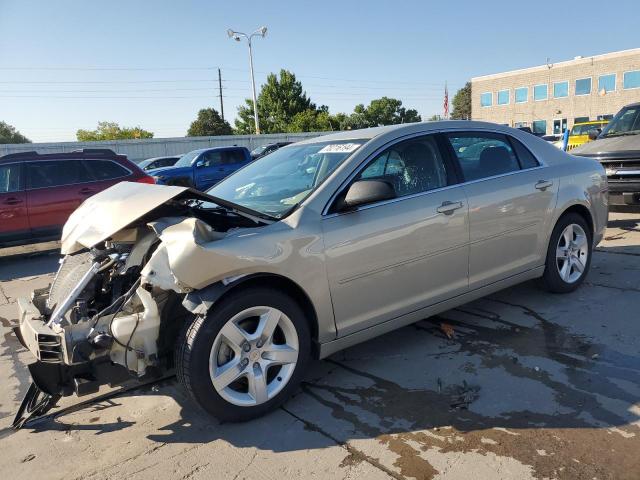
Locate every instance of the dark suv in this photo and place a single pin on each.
(617, 147)
(39, 192)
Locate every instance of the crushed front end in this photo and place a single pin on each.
(114, 309)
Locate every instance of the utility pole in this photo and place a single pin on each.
(220, 88)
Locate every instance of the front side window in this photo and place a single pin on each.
(274, 184)
(503, 97)
(521, 94)
(483, 155)
(607, 83)
(539, 127)
(560, 89)
(210, 159)
(55, 173)
(583, 86)
(540, 92)
(413, 166)
(105, 170)
(486, 99)
(10, 178)
(631, 79)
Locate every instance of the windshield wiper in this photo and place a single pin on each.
(621, 134)
(241, 210)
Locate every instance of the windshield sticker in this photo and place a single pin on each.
(340, 148)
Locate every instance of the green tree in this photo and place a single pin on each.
(9, 134)
(462, 103)
(280, 100)
(209, 123)
(382, 111)
(111, 131)
(311, 121)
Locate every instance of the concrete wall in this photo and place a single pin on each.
(138, 150)
(570, 107)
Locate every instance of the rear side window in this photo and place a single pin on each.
(10, 180)
(483, 154)
(105, 169)
(235, 156)
(56, 173)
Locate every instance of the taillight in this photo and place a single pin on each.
(146, 179)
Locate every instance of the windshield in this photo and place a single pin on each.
(274, 184)
(187, 158)
(626, 122)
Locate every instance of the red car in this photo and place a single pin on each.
(39, 192)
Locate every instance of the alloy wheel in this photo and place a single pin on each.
(254, 356)
(572, 253)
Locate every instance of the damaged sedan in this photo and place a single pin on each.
(316, 247)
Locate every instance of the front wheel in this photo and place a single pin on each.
(247, 356)
(569, 254)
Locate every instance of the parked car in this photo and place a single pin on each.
(263, 150)
(579, 134)
(39, 192)
(158, 162)
(241, 287)
(617, 147)
(203, 168)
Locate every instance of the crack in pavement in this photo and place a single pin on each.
(622, 289)
(345, 445)
(633, 254)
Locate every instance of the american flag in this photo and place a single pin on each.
(446, 101)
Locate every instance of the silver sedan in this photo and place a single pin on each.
(321, 245)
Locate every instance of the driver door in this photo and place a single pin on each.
(209, 169)
(394, 257)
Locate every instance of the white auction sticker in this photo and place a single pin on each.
(339, 148)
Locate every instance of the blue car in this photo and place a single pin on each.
(201, 169)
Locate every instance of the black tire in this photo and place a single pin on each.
(551, 279)
(194, 347)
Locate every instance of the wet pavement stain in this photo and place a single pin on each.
(584, 436)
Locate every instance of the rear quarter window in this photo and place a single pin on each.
(105, 169)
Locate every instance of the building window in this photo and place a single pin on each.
(521, 94)
(540, 92)
(503, 97)
(583, 86)
(560, 89)
(486, 99)
(520, 124)
(539, 126)
(580, 119)
(631, 79)
(607, 83)
(605, 117)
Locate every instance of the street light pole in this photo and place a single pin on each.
(262, 31)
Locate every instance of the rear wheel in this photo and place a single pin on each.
(569, 254)
(247, 356)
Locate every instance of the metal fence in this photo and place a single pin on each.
(138, 150)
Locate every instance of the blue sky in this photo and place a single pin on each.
(66, 64)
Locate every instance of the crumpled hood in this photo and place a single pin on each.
(625, 146)
(171, 171)
(111, 210)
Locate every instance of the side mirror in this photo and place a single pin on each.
(200, 163)
(363, 192)
(593, 134)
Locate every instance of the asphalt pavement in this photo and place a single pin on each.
(530, 385)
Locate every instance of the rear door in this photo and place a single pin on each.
(55, 188)
(510, 198)
(14, 222)
(234, 160)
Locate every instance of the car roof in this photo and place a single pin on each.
(86, 153)
(404, 129)
(591, 122)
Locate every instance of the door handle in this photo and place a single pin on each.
(544, 184)
(12, 201)
(449, 207)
